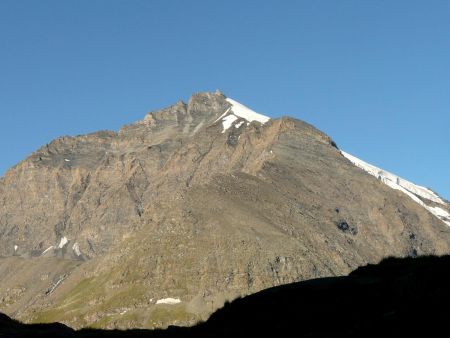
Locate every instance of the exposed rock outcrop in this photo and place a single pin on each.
(193, 205)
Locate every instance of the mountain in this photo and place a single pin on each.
(397, 298)
(199, 203)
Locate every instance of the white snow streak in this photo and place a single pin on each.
(76, 249)
(170, 301)
(408, 188)
(221, 116)
(46, 250)
(380, 173)
(63, 242)
(15, 248)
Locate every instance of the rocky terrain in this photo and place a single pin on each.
(163, 221)
(397, 298)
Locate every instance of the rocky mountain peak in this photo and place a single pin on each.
(196, 203)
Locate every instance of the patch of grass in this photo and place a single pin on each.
(123, 298)
(164, 314)
(72, 303)
(85, 289)
(102, 323)
(117, 319)
(90, 296)
(48, 316)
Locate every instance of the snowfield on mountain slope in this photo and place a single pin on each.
(409, 188)
(238, 110)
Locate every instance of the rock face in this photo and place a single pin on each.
(198, 203)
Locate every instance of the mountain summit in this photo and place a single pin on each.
(199, 203)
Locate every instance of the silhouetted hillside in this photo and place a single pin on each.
(397, 298)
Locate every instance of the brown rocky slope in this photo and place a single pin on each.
(163, 221)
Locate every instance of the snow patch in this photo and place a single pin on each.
(237, 125)
(76, 249)
(408, 188)
(227, 122)
(170, 301)
(15, 248)
(63, 242)
(67, 160)
(240, 110)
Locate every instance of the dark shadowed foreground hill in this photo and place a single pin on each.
(397, 298)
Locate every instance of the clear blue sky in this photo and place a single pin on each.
(374, 75)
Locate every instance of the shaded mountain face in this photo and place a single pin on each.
(396, 298)
(196, 204)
